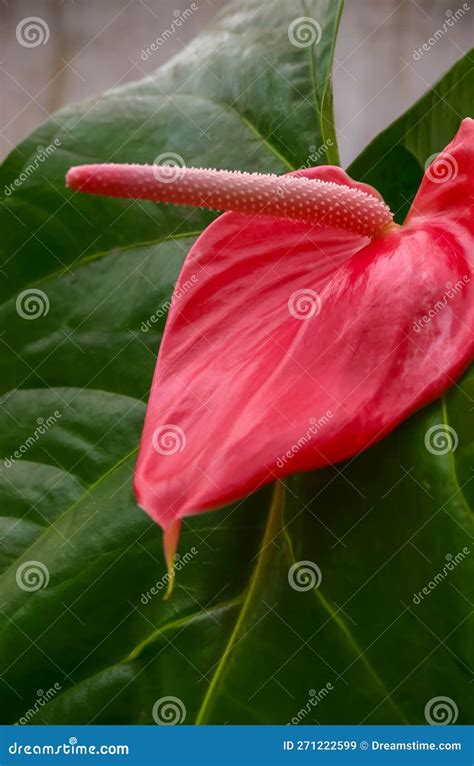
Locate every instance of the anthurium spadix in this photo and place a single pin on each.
(305, 324)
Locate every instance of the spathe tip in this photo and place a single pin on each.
(170, 547)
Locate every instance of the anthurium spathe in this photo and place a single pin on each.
(312, 327)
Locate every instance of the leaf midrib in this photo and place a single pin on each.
(264, 553)
(273, 527)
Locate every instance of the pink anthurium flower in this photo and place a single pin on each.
(305, 325)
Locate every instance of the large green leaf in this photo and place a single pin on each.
(97, 275)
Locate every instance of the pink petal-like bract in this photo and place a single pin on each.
(292, 344)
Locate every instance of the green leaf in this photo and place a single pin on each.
(85, 289)
(395, 161)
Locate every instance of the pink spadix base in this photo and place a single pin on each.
(291, 197)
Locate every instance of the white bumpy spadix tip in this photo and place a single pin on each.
(291, 197)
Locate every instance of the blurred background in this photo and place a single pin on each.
(92, 45)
